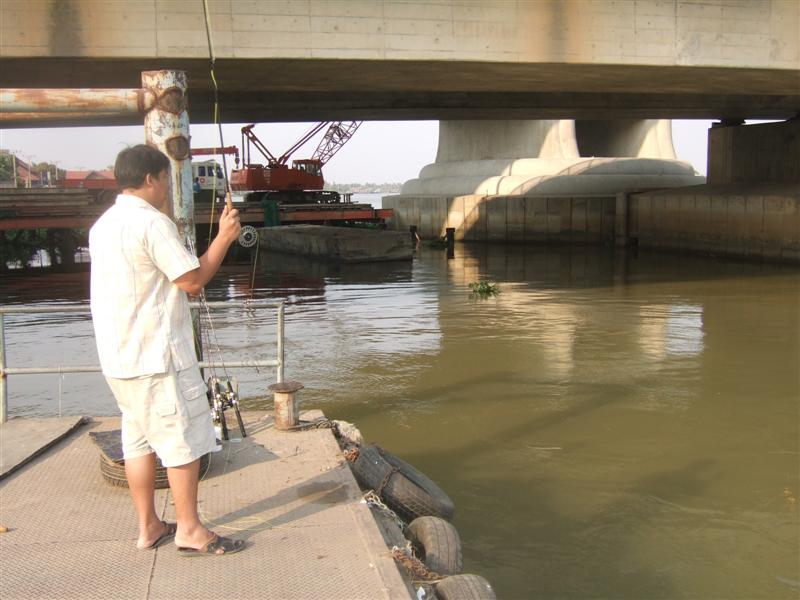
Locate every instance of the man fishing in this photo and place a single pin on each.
(141, 275)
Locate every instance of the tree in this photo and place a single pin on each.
(46, 167)
(6, 167)
(18, 247)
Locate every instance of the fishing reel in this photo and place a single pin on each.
(248, 236)
(223, 393)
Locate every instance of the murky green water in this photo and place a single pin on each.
(608, 427)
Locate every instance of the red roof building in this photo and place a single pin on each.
(100, 179)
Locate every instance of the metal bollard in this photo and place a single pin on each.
(450, 236)
(287, 415)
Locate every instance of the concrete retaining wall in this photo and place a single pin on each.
(761, 222)
(578, 220)
(762, 153)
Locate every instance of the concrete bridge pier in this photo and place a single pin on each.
(543, 182)
(537, 180)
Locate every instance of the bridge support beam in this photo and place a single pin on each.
(759, 153)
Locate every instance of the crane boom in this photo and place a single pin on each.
(223, 150)
(248, 137)
(311, 133)
(337, 135)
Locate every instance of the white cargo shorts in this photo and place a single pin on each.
(166, 413)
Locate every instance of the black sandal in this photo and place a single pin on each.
(169, 532)
(216, 546)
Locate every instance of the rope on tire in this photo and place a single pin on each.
(415, 566)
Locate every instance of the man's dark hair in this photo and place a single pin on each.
(134, 163)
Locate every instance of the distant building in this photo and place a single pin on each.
(103, 179)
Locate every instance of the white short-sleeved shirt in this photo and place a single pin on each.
(141, 319)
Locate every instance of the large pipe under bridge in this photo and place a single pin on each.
(161, 100)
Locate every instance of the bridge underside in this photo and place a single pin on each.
(289, 90)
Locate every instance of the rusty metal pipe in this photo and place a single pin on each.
(82, 100)
(44, 117)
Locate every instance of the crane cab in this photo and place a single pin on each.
(309, 165)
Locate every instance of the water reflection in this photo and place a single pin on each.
(671, 330)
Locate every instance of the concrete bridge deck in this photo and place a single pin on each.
(309, 60)
(291, 496)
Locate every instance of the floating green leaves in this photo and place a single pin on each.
(484, 289)
(439, 244)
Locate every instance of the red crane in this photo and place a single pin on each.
(302, 182)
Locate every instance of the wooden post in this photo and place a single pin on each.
(287, 415)
(621, 220)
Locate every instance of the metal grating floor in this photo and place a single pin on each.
(290, 495)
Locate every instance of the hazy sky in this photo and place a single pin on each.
(379, 152)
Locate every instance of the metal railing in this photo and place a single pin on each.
(5, 370)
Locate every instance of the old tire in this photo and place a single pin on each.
(404, 489)
(436, 543)
(464, 587)
(390, 530)
(114, 471)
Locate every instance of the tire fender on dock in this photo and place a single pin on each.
(113, 471)
(436, 543)
(404, 489)
(464, 587)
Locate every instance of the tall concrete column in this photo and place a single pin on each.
(493, 140)
(629, 138)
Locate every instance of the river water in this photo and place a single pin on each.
(609, 426)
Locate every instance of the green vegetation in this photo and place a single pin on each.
(484, 289)
(18, 247)
(49, 172)
(6, 167)
(56, 174)
(439, 244)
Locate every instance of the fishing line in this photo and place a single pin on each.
(212, 59)
(228, 191)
